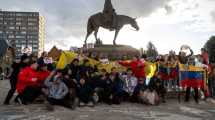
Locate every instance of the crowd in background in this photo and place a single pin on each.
(85, 85)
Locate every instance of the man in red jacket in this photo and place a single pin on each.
(27, 86)
(137, 66)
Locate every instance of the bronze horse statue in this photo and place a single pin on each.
(97, 20)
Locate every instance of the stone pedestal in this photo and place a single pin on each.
(114, 52)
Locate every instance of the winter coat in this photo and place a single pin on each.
(56, 91)
(137, 67)
(42, 75)
(25, 79)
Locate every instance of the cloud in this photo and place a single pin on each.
(168, 9)
(213, 16)
(65, 18)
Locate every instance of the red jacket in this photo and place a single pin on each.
(42, 75)
(25, 79)
(136, 66)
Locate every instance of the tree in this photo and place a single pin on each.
(151, 50)
(210, 47)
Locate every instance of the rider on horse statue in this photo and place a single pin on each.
(109, 14)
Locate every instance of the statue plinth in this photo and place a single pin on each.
(114, 52)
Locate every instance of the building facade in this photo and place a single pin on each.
(22, 30)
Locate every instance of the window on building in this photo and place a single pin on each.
(12, 23)
(11, 27)
(17, 41)
(32, 19)
(35, 45)
(35, 42)
(23, 32)
(20, 36)
(23, 28)
(20, 14)
(18, 45)
(31, 23)
(11, 36)
(18, 23)
(18, 19)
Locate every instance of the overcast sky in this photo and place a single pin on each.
(167, 23)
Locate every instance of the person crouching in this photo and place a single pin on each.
(85, 93)
(28, 87)
(56, 91)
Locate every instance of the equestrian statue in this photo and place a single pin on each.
(110, 20)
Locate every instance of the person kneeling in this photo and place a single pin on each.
(56, 91)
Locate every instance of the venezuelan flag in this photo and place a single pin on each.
(163, 72)
(192, 76)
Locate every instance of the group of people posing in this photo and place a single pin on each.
(86, 85)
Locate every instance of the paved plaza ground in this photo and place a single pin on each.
(172, 110)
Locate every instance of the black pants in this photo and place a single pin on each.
(30, 94)
(105, 95)
(161, 91)
(12, 90)
(61, 102)
(196, 96)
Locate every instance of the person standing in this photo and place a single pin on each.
(186, 59)
(17, 66)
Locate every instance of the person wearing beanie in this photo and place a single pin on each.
(17, 66)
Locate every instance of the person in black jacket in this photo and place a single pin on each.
(186, 59)
(16, 66)
(85, 93)
(73, 69)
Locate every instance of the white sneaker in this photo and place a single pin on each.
(81, 104)
(90, 104)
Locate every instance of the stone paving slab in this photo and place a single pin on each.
(171, 110)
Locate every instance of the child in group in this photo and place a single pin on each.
(56, 90)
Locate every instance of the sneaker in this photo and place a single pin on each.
(90, 104)
(95, 99)
(17, 100)
(81, 104)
